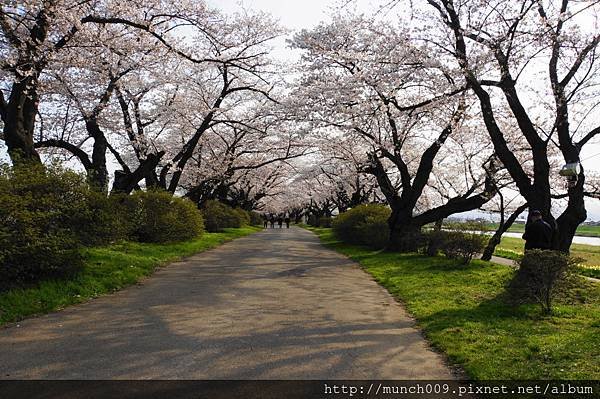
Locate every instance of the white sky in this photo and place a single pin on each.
(292, 14)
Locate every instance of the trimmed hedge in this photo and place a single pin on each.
(462, 245)
(460, 241)
(102, 219)
(158, 216)
(255, 218)
(218, 216)
(38, 209)
(325, 221)
(243, 216)
(363, 225)
(48, 213)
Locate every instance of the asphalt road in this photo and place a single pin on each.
(274, 305)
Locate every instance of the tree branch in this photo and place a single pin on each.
(72, 148)
(593, 133)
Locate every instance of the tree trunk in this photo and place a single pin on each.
(571, 218)
(98, 175)
(19, 121)
(404, 231)
(127, 182)
(502, 228)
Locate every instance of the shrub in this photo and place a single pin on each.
(458, 241)
(325, 221)
(433, 241)
(36, 212)
(158, 216)
(364, 224)
(218, 216)
(462, 245)
(243, 216)
(255, 218)
(101, 219)
(542, 276)
(411, 240)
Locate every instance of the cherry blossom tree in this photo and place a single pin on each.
(221, 60)
(89, 87)
(539, 58)
(240, 162)
(225, 58)
(340, 166)
(365, 79)
(32, 34)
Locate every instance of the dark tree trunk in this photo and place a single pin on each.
(405, 227)
(404, 231)
(405, 237)
(19, 120)
(571, 218)
(99, 172)
(151, 180)
(127, 182)
(536, 190)
(502, 228)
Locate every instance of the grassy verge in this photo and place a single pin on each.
(106, 269)
(461, 312)
(511, 248)
(584, 231)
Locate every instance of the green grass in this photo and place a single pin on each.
(585, 231)
(107, 269)
(511, 248)
(461, 312)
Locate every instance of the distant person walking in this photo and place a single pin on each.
(265, 221)
(280, 221)
(287, 222)
(538, 233)
(272, 221)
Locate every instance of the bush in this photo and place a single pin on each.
(462, 245)
(101, 219)
(458, 241)
(411, 240)
(542, 276)
(243, 216)
(364, 224)
(218, 216)
(255, 219)
(325, 221)
(433, 241)
(37, 207)
(158, 216)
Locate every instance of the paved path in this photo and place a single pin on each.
(274, 305)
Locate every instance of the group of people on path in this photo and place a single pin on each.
(271, 220)
(538, 233)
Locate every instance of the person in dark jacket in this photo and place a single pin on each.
(538, 233)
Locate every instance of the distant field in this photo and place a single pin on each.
(587, 231)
